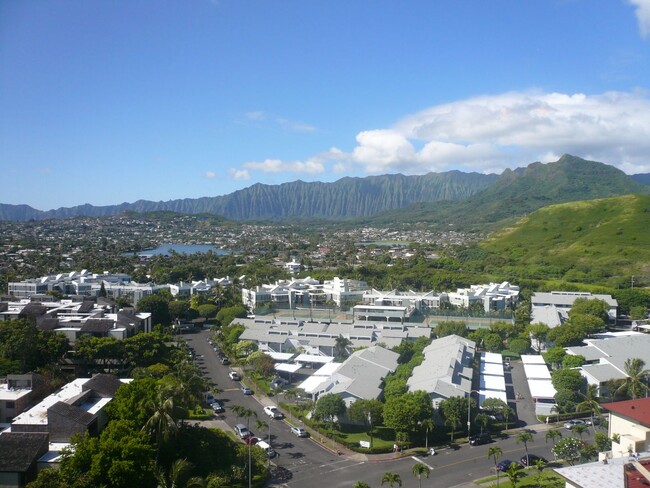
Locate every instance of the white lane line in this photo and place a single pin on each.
(422, 462)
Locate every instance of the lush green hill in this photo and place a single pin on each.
(586, 241)
(524, 190)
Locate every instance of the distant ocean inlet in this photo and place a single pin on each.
(166, 249)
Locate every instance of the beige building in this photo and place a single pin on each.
(631, 421)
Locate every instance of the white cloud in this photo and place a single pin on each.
(293, 125)
(210, 174)
(311, 166)
(257, 115)
(491, 133)
(239, 174)
(643, 16)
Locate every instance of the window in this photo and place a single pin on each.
(10, 404)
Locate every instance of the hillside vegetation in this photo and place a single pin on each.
(586, 241)
(521, 191)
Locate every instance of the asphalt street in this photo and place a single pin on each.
(313, 465)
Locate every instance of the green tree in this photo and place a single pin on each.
(554, 356)
(538, 334)
(341, 345)
(369, 412)
(514, 474)
(329, 408)
(568, 449)
(590, 306)
(157, 305)
(635, 383)
(573, 361)
(453, 409)
(553, 435)
(602, 442)
(261, 363)
(519, 346)
(403, 413)
(567, 379)
(639, 313)
(162, 424)
(178, 476)
(208, 310)
(419, 471)
(525, 437)
(227, 315)
(451, 327)
(495, 453)
(391, 478)
(590, 403)
(566, 335)
(360, 484)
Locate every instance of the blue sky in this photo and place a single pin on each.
(105, 102)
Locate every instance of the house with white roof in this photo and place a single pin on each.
(552, 308)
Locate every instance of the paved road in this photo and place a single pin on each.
(315, 467)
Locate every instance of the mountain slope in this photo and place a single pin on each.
(643, 178)
(347, 197)
(524, 190)
(584, 239)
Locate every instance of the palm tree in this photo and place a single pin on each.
(524, 437)
(540, 465)
(419, 470)
(514, 473)
(361, 484)
(162, 423)
(495, 453)
(553, 434)
(341, 345)
(392, 479)
(238, 410)
(579, 429)
(590, 403)
(178, 476)
(635, 383)
(247, 413)
(262, 424)
(428, 425)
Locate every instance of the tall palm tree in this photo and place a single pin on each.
(524, 437)
(514, 473)
(238, 410)
(419, 470)
(495, 453)
(247, 413)
(428, 426)
(392, 479)
(162, 424)
(635, 383)
(553, 434)
(590, 403)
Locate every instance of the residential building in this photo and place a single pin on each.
(552, 308)
(491, 297)
(606, 355)
(631, 421)
(622, 472)
(446, 370)
(17, 392)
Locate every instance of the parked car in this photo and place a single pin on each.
(478, 439)
(572, 423)
(532, 459)
(266, 448)
(242, 431)
(595, 421)
(217, 406)
(234, 375)
(224, 360)
(246, 390)
(273, 412)
(505, 464)
(251, 440)
(299, 431)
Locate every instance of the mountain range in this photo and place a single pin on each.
(439, 197)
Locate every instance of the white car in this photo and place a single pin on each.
(299, 431)
(273, 412)
(234, 375)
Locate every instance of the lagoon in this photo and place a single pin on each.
(183, 249)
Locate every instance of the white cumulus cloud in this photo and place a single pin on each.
(239, 174)
(210, 174)
(493, 132)
(643, 16)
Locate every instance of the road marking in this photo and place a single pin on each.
(422, 462)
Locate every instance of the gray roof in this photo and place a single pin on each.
(619, 349)
(566, 299)
(19, 450)
(446, 369)
(603, 372)
(590, 353)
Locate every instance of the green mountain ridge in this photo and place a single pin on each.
(522, 191)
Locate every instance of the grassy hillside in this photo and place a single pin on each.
(586, 241)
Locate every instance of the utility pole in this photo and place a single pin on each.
(632, 282)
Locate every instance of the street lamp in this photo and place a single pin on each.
(469, 407)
